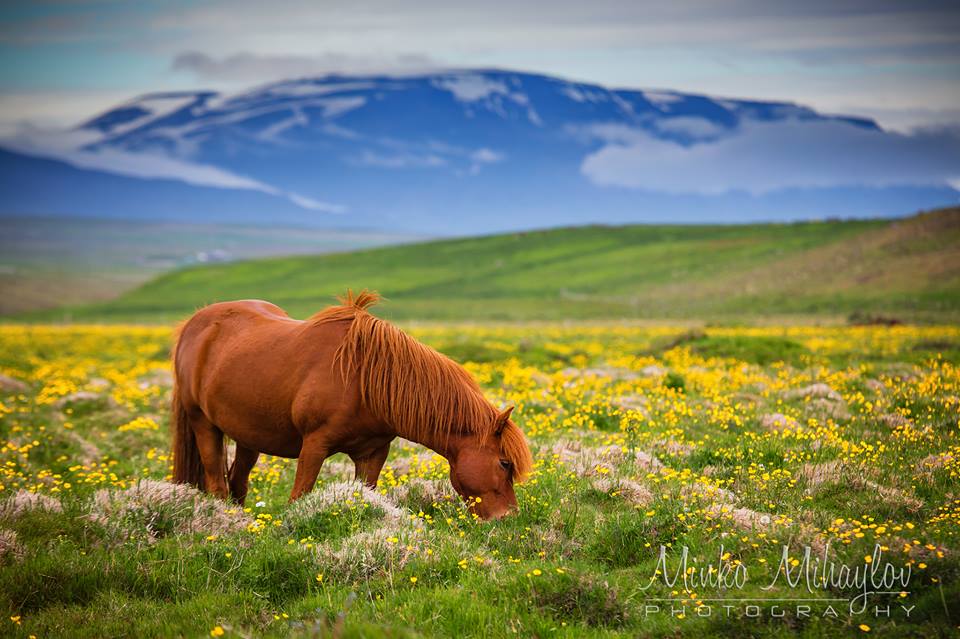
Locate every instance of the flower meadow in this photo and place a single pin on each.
(757, 455)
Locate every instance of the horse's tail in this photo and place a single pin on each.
(187, 467)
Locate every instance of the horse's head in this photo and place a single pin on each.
(485, 467)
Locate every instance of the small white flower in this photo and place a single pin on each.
(260, 504)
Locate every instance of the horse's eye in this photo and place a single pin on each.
(506, 464)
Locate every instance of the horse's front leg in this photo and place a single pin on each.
(314, 450)
(368, 468)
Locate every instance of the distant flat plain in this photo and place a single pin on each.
(48, 262)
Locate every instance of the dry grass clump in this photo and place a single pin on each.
(895, 420)
(340, 494)
(611, 372)
(23, 501)
(632, 491)
(891, 494)
(821, 401)
(586, 460)
(339, 469)
(419, 494)
(706, 491)
(10, 548)
(384, 550)
(818, 474)
(368, 553)
(151, 509)
(936, 461)
(778, 422)
(815, 391)
(834, 472)
(743, 518)
(83, 396)
(11, 385)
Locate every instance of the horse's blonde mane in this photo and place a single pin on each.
(423, 394)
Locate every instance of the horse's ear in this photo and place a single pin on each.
(502, 418)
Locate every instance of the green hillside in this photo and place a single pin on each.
(908, 268)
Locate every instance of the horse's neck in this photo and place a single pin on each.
(444, 444)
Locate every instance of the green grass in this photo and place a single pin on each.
(906, 268)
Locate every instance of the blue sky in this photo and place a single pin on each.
(62, 61)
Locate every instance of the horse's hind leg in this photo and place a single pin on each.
(243, 463)
(368, 468)
(212, 454)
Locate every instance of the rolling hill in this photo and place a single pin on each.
(909, 268)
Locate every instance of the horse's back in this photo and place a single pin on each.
(239, 310)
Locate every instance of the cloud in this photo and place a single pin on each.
(690, 127)
(908, 120)
(53, 109)
(248, 67)
(484, 155)
(399, 160)
(763, 157)
(67, 146)
(316, 205)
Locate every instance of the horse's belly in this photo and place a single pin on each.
(282, 446)
(251, 426)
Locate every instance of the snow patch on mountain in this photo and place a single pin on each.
(582, 95)
(311, 88)
(471, 87)
(663, 99)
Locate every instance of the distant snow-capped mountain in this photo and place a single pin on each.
(480, 151)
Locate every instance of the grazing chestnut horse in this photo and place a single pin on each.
(341, 381)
